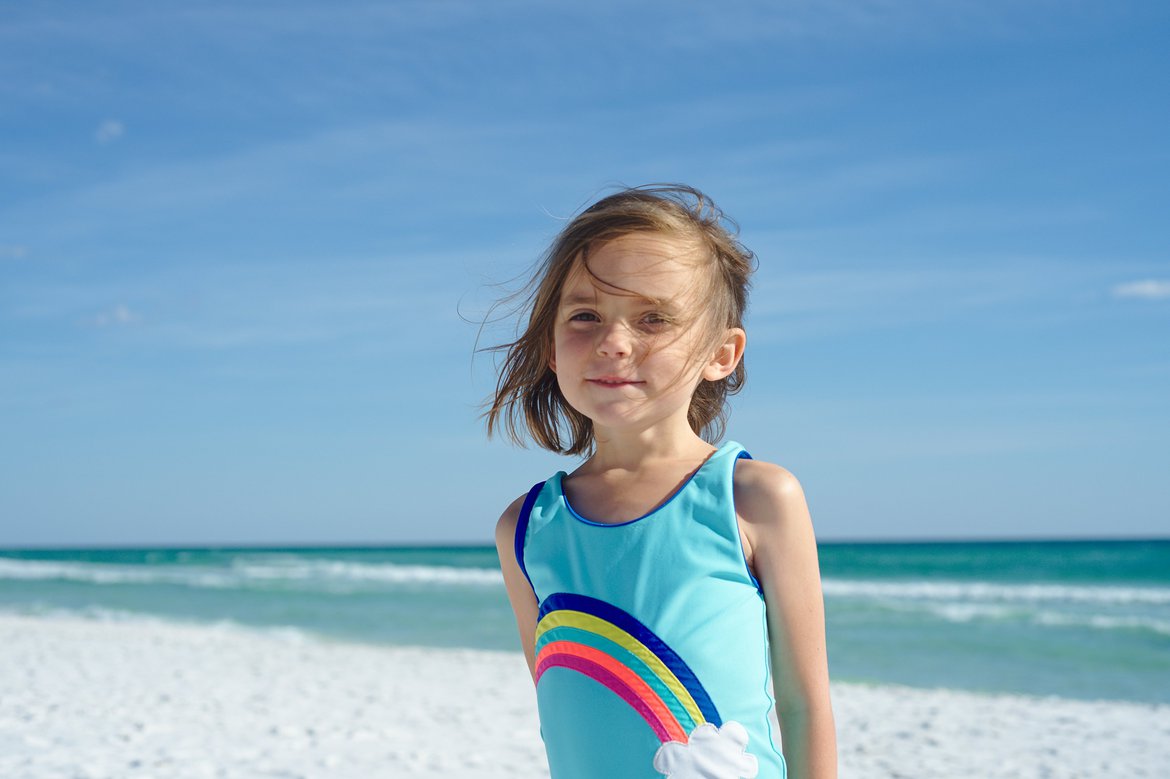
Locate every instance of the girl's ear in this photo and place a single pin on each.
(727, 355)
(552, 359)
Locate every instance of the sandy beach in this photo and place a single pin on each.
(85, 699)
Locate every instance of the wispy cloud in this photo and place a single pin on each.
(289, 174)
(13, 252)
(868, 22)
(1146, 289)
(349, 305)
(800, 300)
(109, 131)
(118, 316)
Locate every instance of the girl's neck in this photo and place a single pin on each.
(634, 450)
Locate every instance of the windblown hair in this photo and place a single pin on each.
(528, 402)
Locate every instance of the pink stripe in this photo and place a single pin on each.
(635, 683)
(606, 677)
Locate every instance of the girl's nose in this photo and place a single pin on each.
(614, 341)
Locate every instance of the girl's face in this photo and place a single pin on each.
(626, 334)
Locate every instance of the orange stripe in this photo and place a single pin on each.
(639, 687)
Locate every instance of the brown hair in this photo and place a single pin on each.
(528, 401)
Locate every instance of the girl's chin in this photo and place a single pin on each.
(635, 418)
(611, 418)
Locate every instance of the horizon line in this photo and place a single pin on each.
(433, 545)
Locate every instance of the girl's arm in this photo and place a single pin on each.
(519, 590)
(781, 549)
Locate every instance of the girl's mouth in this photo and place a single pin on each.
(612, 381)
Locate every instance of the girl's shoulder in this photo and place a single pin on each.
(506, 525)
(775, 528)
(761, 478)
(767, 496)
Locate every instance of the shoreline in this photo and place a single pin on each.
(150, 698)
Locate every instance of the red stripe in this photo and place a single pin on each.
(607, 671)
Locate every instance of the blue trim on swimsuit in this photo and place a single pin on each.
(522, 530)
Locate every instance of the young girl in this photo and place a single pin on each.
(665, 585)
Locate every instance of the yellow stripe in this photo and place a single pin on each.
(592, 624)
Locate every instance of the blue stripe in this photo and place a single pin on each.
(522, 530)
(615, 616)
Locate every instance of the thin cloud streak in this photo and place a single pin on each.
(367, 305)
(1146, 289)
(793, 303)
(109, 131)
(118, 316)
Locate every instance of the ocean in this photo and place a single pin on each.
(1075, 619)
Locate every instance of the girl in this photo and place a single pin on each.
(664, 583)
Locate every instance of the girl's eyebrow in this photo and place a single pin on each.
(578, 298)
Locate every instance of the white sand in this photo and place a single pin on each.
(82, 698)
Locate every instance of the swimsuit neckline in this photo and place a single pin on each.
(559, 478)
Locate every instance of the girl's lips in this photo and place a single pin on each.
(612, 381)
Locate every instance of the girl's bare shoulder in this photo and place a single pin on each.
(506, 525)
(768, 495)
(776, 529)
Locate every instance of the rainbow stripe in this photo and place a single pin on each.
(613, 648)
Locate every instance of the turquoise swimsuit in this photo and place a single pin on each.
(651, 644)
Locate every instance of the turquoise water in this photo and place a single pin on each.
(1080, 619)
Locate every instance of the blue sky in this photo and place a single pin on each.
(239, 243)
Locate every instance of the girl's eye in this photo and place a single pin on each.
(584, 316)
(655, 320)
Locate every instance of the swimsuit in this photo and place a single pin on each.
(651, 642)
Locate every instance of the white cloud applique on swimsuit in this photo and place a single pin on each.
(711, 753)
